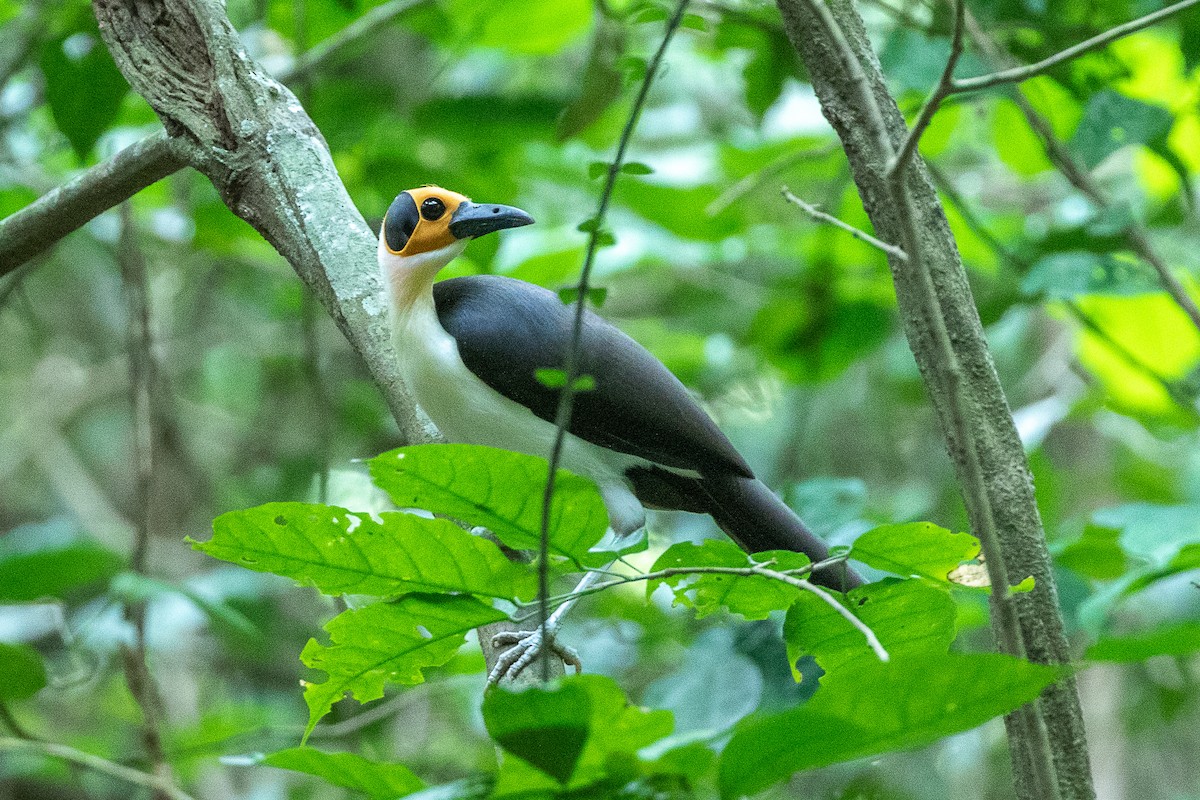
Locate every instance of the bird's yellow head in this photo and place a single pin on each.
(431, 218)
(426, 228)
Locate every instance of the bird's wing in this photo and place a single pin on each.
(506, 330)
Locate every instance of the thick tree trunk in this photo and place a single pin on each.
(1000, 457)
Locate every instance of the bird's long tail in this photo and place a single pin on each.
(754, 517)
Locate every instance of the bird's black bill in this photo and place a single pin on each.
(476, 219)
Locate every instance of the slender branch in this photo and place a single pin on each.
(566, 401)
(97, 764)
(1023, 73)
(361, 28)
(862, 236)
(758, 570)
(68, 207)
(141, 382)
(945, 86)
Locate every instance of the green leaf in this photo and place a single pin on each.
(379, 780)
(878, 708)
(133, 587)
(1174, 640)
(83, 87)
(910, 617)
(499, 490)
(50, 560)
(557, 379)
(636, 168)
(1096, 554)
(388, 643)
(1112, 121)
(1063, 276)
(596, 295)
(915, 548)
(343, 552)
(519, 26)
(547, 727)
(587, 709)
(752, 596)
(22, 674)
(596, 169)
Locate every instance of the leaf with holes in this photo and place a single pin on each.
(908, 616)
(500, 490)
(342, 552)
(388, 643)
(915, 548)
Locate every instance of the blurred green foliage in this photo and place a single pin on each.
(787, 329)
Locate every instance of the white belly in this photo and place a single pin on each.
(467, 410)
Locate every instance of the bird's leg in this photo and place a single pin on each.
(525, 646)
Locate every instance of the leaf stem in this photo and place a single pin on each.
(97, 764)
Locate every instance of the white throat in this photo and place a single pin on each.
(406, 278)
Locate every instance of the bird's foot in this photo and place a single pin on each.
(523, 648)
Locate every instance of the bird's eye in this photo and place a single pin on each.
(400, 222)
(432, 209)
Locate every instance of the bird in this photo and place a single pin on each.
(470, 350)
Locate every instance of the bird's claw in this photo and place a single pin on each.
(523, 648)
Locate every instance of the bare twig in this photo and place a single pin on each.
(562, 417)
(141, 382)
(97, 764)
(945, 86)
(1023, 73)
(361, 28)
(862, 236)
(790, 577)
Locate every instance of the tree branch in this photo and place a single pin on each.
(862, 236)
(69, 207)
(97, 764)
(947, 341)
(1024, 73)
(250, 136)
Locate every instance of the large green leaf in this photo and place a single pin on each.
(521, 27)
(21, 672)
(343, 552)
(379, 780)
(915, 548)
(575, 731)
(909, 617)
(1172, 640)
(1066, 275)
(877, 708)
(83, 87)
(500, 490)
(50, 560)
(752, 596)
(388, 643)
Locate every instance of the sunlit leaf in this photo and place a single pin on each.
(915, 548)
(500, 490)
(875, 708)
(387, 643)
(910, 617)
(343, 552)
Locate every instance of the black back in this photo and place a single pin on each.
(507, 329)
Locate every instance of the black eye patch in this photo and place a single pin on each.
(400, 222)
(432, 209)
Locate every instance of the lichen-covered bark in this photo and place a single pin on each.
(249, 135)
(1009, 489)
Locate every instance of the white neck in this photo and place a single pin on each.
(407, 278)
